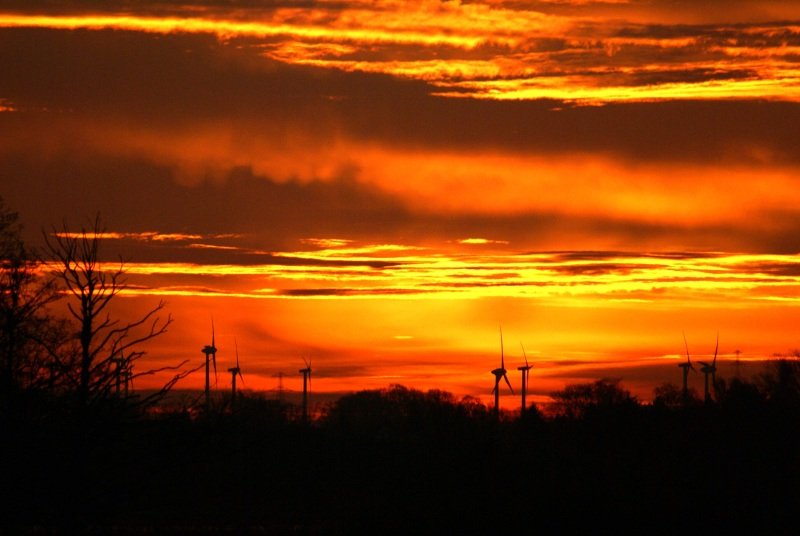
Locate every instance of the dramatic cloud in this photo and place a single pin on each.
(494, 50)
(382, 183)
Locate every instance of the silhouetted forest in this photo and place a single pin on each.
(399, 459)
(81, 453)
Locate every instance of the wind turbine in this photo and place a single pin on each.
(710, 370)
(123, 375)
(306, 372)
(211, 356)
(279, 375)
(525, 372)
(686, 367)
(500, 373)
(128, 376)
(235, 371)
(119, 371)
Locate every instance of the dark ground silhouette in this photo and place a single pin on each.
(399, 460)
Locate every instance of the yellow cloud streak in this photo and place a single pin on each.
(226, 29)
(328, 243)
(349, 253)
(786, 88)
(432, 70)
(453, 275)
(143, 236)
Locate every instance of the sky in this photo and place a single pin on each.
(381, 186)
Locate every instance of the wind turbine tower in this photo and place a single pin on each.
(710, 370)
(118, 373)
(211, 356)
(686, 367)
(123, 375)
(498, 374)
(306, 372)
(525, 372)
(235, 371)
(128, 379)
(279, 389)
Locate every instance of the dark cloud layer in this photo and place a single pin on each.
(267, 214)
(65, 83)
(163, 82)
(276, 216)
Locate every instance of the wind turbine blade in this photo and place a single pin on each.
(686, 344)
(505, 377)
(214, 360)
(716, 349)
(236, 346)
(502, 357)
(212, 333)
(524, 354)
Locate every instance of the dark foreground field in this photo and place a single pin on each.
(403, 461)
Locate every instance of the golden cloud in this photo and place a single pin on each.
(499, 51)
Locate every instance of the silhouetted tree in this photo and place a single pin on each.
(581, 400)
(474, 408)
(27, 330)
(740, 395)
(780, 383)
(401, 412)
(108, 346)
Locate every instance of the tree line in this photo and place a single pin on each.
(402, 460)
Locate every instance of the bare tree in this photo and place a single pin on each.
(108, 347)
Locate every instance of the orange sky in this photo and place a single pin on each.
(380, 185)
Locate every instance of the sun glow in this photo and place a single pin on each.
(562, 289)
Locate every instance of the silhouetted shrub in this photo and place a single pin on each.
(591, 399)
(740, 395)
(670, 396)
(780, 383)
(400, 411)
